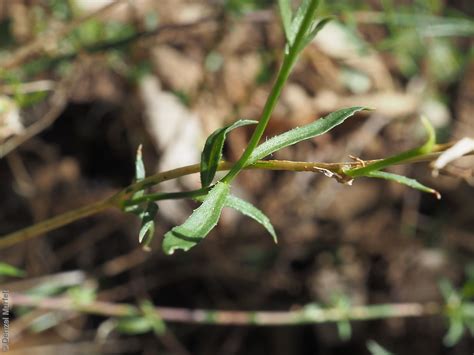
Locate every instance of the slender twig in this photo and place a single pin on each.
(118, 200)
(304, 315)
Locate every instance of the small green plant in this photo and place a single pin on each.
(300, 27)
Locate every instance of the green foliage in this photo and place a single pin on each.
(200, 223)
(404, 181)
(133, 325)
(9, 270)
(147, 228)
(460, 313)
(251, 211)
(376, 349)
(82, 295)
(151, 315)
(373, 169)
(293, 23)
(212, 152)
(146, 214)
(149, 320)
(342, 303)
(300, 134)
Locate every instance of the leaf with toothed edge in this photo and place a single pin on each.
(251, 211)
(302, 133)
(200, 223)
(212, 152)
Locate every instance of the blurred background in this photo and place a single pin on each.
(84, 82)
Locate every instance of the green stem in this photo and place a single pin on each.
(118, 200)
(426, 148)
(282, 77)
(158, 196)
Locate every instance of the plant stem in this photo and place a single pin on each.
(306, 315)
(118, 200)
(288, 62)
(426, 148)
(158, 196)
(54, 223)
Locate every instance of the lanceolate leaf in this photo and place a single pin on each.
(212, 153)
(133, 325)
(139, 166)
(404, 181)
(147, 229)
(9, 270)
(200, 223)
(139, 175)
(286, 15)
(314, 31)
(299, 134)
(297, 20)
(251, 211)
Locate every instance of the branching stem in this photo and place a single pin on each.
(118, 200)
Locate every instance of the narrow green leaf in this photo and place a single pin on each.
(427, 147)
(286, 15)
(447, 290)
(133, 325)
(82, 295)
(9, 270)
(344, 330)
(200, 223)
(139, 175)
(251, 211)
(431, 137)
(376, 349)
(404, 181)
(147, 229)
(153, 317)
(314, 31)
(212, 153)
(297, 20)
(139, 166)
(299, 134)
(455, 332)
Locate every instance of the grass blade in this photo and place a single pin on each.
(299, 134)
(200, 223)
